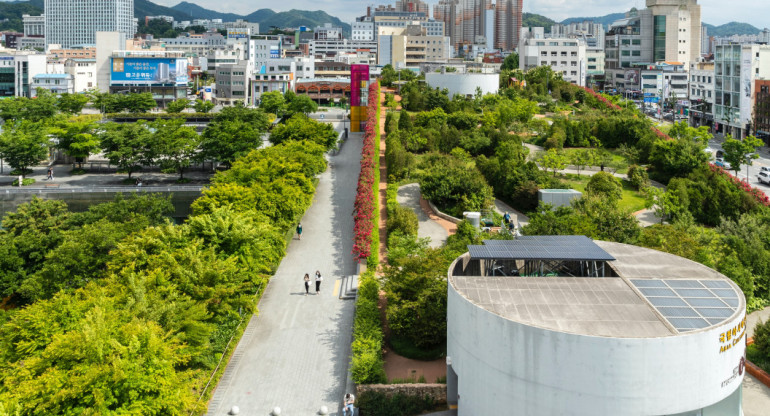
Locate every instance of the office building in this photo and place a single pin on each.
(676, 30)
(17, 70)
(736, 68)
(75, 22)
(412, 6)
(627, 44)
(83, 71)
(410, 46)
(232, 83)
(762, 110)
(701, 94)
(564, 55)
(565, 325)
(193, 44)
(592, 33)
(162, 73)
(55, 83)
(663, 85)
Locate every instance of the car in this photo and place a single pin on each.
(764, 177)
(725, 165)
(764, 169)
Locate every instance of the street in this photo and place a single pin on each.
(764, 160)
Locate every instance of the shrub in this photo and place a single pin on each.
(638, 177)
(402, 219)
(379, 404)
(603, 183)
(762, 338)
(367, 365)
(456, 188)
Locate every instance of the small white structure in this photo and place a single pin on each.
(56, 83)
(558, 197)
(464, 84)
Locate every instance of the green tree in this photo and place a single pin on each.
(678, 157)
(203, 106)
(605, 185)
(23, 145)
(404, 121)
(510, 62)
(178, 146)
(580, 158)
(177, 106)
(138, 103)
(553, 160)
(227, 140)
(301, 104)
(129, 146)
(416, 290)
(740, 152)
(301, 127)
(77, 137)
(273, 102)
(71, 103)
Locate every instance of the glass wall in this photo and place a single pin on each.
(659, 32)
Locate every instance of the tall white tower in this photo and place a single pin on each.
(75, 22)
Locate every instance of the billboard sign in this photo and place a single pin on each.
(238, 33)
(275, 52)
(745, 87)
(631, 77)
(149, 71)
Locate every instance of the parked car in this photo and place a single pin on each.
(764, 169)
(764, 177)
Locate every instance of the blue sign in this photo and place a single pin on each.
(651, 100)
(149, 71)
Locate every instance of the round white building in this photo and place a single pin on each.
(564, 325)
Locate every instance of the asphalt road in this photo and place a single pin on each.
(764, 160)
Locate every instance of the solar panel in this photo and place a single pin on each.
(683, 284)
(715, 284)
(656, 301)
(646, 291)
(648, 283)
(678, 312)
(560, 247)
(690, 304)
(694, 293)
(706, 302)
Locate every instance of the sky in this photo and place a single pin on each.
(717, 12)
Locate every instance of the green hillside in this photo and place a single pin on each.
(536, 20)
(193, 11)
(13, 12)
(732, 28)
(295, 18)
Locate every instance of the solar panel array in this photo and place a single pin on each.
(557, 247)
(690, 304)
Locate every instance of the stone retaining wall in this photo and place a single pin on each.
(442, 215)
(436, 391)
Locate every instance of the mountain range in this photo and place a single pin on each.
(11, 11)
(727, 29)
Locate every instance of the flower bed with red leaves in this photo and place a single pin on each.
(365, 207)
(756, 193)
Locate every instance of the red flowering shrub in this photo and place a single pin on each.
(756, 193)
(365, 203)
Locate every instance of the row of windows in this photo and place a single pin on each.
(700, 78)
(555, 63)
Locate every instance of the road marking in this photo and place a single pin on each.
(336, 291)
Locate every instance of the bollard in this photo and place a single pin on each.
(234, 410)
(323, 411)
(21, 180)
(276, 411)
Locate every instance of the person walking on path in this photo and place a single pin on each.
(50, 173)
(318, 280)
(307, 284)
(299, 231)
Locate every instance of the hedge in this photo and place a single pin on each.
(367, 366)
(365, 228)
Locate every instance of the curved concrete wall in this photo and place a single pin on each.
(464, 84)
(505, 367)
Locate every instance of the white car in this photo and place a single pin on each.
(764, 177)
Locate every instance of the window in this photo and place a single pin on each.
(591, 59)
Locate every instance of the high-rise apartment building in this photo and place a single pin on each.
(412, 6)
(507, 24)
(75, 22)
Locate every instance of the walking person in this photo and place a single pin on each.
(50, 173)
(307, 284)
(299, 231)
(318, 280)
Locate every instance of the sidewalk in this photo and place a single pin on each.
(295, 353)
(756, 396)
(63, 178)
(409, 196)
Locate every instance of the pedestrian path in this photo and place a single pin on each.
(296, 352)
(756, 396)
(409, 196)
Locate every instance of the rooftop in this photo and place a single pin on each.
(648, 294)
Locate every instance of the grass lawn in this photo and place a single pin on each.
(617, 158)
(632, 200)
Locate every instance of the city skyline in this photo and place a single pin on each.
(745, 11)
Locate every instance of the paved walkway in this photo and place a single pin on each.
(409, 196)
(295, 354)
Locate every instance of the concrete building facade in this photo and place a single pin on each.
(75, 22)
(564, 55)
(736, 68)
(639, 333)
